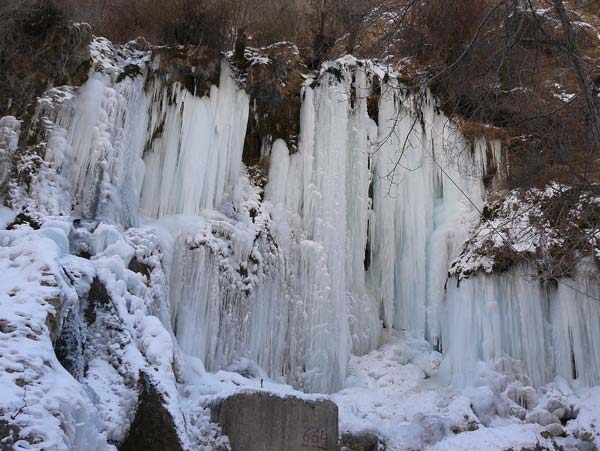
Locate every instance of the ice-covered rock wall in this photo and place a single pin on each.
(552, 328)
(351, 238)
(194, 153)
(355, 230)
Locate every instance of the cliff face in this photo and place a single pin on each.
(52, 54)
(182, 211)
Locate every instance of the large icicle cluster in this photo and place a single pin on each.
(194, 153)
(552, 328)
(361, 227)
(93, 143)
(428, 185)
(351, 238)
(506, 292)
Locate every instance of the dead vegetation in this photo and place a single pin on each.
(522, 72)
(38, 48)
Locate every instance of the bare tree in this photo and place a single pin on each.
(527, 67)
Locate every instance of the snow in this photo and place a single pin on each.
(586, 424)
(389, 392)
(513, 436)
(396, 392)
(7, 215)
(43, 288)
(49, 408)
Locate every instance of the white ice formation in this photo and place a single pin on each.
(353, 237)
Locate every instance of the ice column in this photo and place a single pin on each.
(552, 329)
(425, 174)
(194, 156)
(316, 190)
(94, 151)
(363, 309)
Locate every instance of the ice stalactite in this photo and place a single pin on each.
(363, 311)
(551, 328)
(323, 253)
(397, 193)
(365, 219)
(10, 128)
(321, 205)
(94, 151)
(194, 152)
(425, 172)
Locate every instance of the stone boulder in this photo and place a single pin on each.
(366, 441)
(260, 421)
(153, 428)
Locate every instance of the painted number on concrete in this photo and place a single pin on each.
(315, 438)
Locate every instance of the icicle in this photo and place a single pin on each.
(10, 128)
(94, 151)
(194, 155)
(362, 136)
(553, 331)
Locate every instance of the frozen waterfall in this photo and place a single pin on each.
(195, 151)
(552, 329)
(353, 237)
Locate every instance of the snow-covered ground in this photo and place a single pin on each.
(395, 393)
(46, 407)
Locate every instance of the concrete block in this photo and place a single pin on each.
(261, 421)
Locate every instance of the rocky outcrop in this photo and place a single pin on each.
(153, 428)
(267, 422)
(97, 296)
(273, 77)
(9, 434)
(366, 441)
(46, 53)
(197, 68)
(69, 345)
